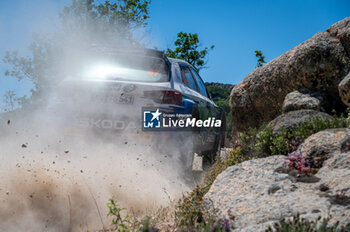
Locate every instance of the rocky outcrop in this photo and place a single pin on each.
(254, 194)
(344, 90)
(303, 99)
(318, 64)
(293, 119)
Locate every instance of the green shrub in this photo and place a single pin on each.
(147, 226)
(298, 224)
(211, 226)
(119, 222)
(248, 141)
(264, 140)
(265, 143)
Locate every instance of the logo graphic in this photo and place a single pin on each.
(151, 119)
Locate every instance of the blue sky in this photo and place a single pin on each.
(236, 28)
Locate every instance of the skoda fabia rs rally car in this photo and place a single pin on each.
(143, 95)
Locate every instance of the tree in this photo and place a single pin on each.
(261, 58)
(10, 100)
(187, 47)
(83, 23)
(106, 21)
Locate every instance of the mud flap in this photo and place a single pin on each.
(197, 164)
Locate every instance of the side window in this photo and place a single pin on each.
(188, 78)
(200, 83)
(178, 73)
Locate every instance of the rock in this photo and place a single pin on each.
(341, 30)
(293, 119)
(253, 196)
(339, 161)
(318, 64)
(335, 176)
(302, 99)
(320, 146)
(344, 90)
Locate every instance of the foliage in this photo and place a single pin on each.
(9, 100)
(127, 223)
(187, 47)
(221, 96)
(189, 208)
(211, 226)
(224, 103)
(248, 141)
(264, 142)
(298, 224)
(107, 20)
(119, 222)
(261, 58)
(147, 226)
(36, 68)
(218, 93)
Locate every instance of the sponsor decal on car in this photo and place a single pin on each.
(99, 123)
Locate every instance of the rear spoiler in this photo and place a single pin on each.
(142, 51)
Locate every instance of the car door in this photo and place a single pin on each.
(200, 103)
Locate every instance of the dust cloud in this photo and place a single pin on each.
(51, 180)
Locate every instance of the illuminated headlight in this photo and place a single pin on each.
(106, 71)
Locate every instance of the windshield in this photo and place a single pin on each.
(121, 66)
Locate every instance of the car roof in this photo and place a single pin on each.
(141, 51)
(174, 60)
(144, 51)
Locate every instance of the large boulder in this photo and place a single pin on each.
(303, 99)
(254, 195)
(318, 64)
(294, 119)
